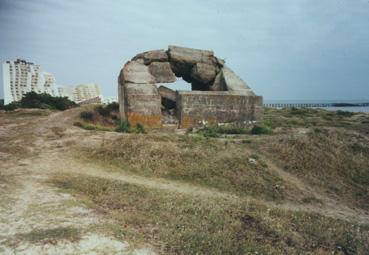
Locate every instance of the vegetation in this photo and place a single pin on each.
(105, 118)
(184, 224)
(89, 126)
(51, 235)
(41, 101)
(87, 115)
(220, 165)
(123, 127)
(261, 130)
(233, 129)
(337, 161)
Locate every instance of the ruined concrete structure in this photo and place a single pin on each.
(218, 95)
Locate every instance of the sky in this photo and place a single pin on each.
(284, 50)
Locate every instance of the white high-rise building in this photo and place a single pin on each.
(80, 92)
(21, 77)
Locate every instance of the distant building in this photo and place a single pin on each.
(108, 100)
(81, 93)
(21, 77)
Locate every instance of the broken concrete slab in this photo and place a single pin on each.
(234, 83)
(162, 72)
(203, 72)
(218, 95)
(152, 56)
(136, 72)
(168, 97)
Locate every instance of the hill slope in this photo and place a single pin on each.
(302, 190)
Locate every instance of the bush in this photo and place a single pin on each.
(140, 129)
(215, 130)
(261, 130)
(123, 127)
(344, 113)
(41, 101)
(11, 107)
(112, 107)
(103, 111)
(87, 115)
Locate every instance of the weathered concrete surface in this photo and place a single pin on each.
(136, 72)
(162, 72)
(196, 108)
(152, 56)
(218, 95)
(204, 73)
(168, 97)
(234, 83)
(143, 104)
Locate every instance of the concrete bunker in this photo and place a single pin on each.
(218, 95)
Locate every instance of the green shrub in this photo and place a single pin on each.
(42, 101)
(140, 129)
(87, 115)
(344, 113)
(230, 129)
(123, 127)
(11, 107)
(78, 124)
(103, 111)
(261, 130)
(112, 107)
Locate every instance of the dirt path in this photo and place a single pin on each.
(34, 217)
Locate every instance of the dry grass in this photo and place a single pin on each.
(182, 224)
(51, 235)
(193, 159)
(333, 159)
(294, 118)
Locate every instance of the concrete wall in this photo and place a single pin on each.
(143, 105)
(197, 107)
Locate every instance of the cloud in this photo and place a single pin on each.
(284, 49)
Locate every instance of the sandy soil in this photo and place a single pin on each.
(29, 205)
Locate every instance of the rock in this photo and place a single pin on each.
(203, 72)
(219, 84)
(252, 161)
(189, 55)
(162, 72)
(168, 97)
(136, 72)
(152, 56)
(183, 59)
(234, 83)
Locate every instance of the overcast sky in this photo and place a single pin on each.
(285, 49)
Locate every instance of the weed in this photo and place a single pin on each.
(261, 130)
(53, 234)
(139, 129)
(103, 111)
(123, 127)
(87, 115)
(187, 224)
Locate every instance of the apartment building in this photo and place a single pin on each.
(20, 77)
(81, 93)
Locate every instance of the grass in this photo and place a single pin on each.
(183, 224)
(51, 235)
(307, 117)
(90, 126)
(215, 131)
(193, 159)
(335, 160)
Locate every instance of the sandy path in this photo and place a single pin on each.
(28, 206)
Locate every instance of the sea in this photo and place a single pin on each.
(335, 108)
